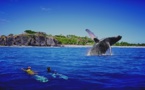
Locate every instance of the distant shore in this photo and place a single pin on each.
(111, 46)
(129, 46)
(78, 46)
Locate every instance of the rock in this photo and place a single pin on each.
(28, 40)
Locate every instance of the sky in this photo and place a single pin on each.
(106, 18)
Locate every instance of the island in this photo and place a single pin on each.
(28, 38)
(33, 38)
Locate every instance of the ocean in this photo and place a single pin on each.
(124, 70)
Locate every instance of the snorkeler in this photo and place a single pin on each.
(50, 71)
(35, 75)
(29, 71)
(54, 74)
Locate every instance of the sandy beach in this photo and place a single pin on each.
(111, 46)
(77, 45)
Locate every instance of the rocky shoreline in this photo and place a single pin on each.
(37, 39)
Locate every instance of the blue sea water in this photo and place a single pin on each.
(124, 70)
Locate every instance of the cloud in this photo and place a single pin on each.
(45, 9)
(4, 21)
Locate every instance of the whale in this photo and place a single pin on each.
(101, 46)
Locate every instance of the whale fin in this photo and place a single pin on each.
(109, 48)
(112, 40)
(92, 35)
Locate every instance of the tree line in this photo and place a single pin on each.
(129, 44)
(77, 40)
(68, 39)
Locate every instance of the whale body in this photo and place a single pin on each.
(102, 45)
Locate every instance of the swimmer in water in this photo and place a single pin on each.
(50, 71)
(29, 71)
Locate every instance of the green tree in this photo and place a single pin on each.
(30, 32)
(11, 35)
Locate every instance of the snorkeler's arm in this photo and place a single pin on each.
(54, 71)
(23, 69)
(35, 72)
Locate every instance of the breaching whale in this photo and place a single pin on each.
(102, 45)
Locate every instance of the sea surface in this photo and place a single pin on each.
(124, 70)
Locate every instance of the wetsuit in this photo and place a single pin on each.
(29, 71)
